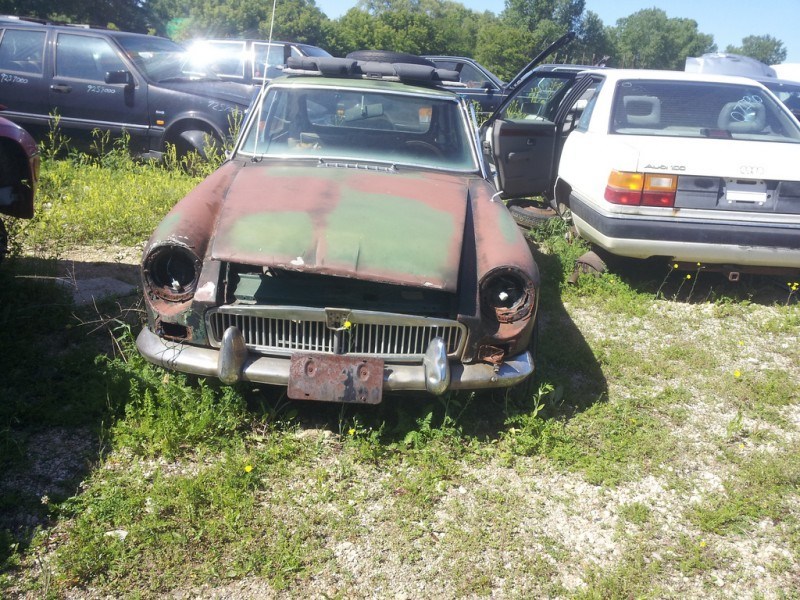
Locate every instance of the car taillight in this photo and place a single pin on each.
(640, 189)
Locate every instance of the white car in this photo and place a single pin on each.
(694, 168)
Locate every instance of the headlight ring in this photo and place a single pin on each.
(507, 295)
(171, 272)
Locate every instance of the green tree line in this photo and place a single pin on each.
(504, 42)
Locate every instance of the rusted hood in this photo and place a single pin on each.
(404, 228)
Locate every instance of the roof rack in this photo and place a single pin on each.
(329, 66)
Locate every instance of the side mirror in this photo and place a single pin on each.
(120, 77)
(487, 85)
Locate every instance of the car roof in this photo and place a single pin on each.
(651, 74)
(78, 28)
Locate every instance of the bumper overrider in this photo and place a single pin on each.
(233, 362)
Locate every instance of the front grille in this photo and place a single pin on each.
(283, 330)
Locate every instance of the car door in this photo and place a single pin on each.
(22, 82)
(80, 93)
(523, 138)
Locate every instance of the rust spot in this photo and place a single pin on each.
(491, 354)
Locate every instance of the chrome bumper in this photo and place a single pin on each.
(232, 362)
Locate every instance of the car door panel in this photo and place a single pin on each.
(523, 156)
(82, 97)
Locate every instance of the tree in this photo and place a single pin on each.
(648, 39)
(130, 15)
(765, 48)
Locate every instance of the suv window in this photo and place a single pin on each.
(22, 51)
(224, 58)
(271, 55)
(85, 57)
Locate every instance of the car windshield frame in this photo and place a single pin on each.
(700, 109)
(360, 124)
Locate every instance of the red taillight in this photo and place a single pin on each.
(638, 189)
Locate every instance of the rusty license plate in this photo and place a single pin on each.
(335, 378)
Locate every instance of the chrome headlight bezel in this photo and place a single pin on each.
(171, 272)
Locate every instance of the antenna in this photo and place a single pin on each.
(264, 76)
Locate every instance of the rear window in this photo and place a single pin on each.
(700, 110)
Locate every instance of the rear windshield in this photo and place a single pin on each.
(700, 109)
(360, 125)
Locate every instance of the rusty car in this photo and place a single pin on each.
(352, 245)
(19, 171)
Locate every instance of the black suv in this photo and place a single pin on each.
(115, 81)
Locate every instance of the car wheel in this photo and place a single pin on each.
(388, 56)
(530, 214)
(197, 140)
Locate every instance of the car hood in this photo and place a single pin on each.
(229, 91)
(716, 158)
(403, 228)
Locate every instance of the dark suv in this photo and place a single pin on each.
(115, 81)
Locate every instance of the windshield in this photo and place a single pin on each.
(160, 59)
(360, 125)
(700, 109)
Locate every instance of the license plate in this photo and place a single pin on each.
(746, 191)
(333, 378)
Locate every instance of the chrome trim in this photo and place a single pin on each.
(273, 370)
(282, 330)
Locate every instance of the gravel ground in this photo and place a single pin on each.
(540, 530)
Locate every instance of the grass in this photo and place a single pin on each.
(656, 451)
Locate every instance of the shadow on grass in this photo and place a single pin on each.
(54, 397)
(658, 277)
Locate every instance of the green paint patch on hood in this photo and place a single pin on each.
(392, 227)
(274, 234)
(394, 235)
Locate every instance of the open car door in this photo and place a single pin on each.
(523, 138)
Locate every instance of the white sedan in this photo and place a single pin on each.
(694, 168)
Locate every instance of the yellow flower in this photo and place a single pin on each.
(675, 266)
(347, 324)
(698, 264)
(741, 343)
(351, 431)
(248, 468)
(689, 276)
(702, 543)
(737, 373)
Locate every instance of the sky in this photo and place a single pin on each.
(727, 20)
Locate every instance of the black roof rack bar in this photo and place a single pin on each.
(328, 66)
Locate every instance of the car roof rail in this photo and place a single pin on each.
(38, 21)
(330, 66)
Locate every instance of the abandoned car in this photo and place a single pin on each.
(19, 170)
(354, 244)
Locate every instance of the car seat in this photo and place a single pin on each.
(742, 117)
